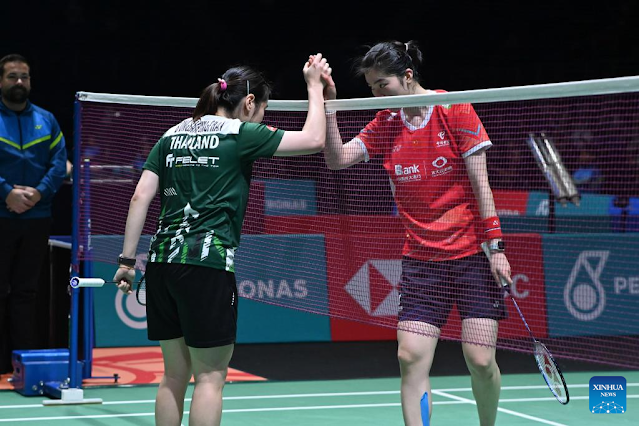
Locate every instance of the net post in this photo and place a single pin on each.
(87, 270)
(75, 243)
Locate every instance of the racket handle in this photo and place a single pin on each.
(504, 283)
(86, 282)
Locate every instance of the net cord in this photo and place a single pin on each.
(504, 94)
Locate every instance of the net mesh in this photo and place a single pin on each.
(331, 241)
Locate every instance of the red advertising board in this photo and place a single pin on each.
(510, 203)
(363, 272)
(364, 269)
(525, 256)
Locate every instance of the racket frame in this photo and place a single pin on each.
(506, 288)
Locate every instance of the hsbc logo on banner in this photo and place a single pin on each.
(374, 287)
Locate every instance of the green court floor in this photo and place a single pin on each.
(525, 400)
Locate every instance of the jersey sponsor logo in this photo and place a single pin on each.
(271, 128)
(440, 164)
(408, 174)
(189, 161)
(195, 142)
(443, 142)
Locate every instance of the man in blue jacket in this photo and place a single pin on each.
(32, 167)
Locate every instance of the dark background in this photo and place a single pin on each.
(171, 48)
(174, 48)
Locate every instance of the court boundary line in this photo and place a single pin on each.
(500, 409)
(455, 400)
(323, 394)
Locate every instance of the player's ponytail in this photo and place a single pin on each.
(391, 58)
(230, 90)
(412, 49)
(208, 102)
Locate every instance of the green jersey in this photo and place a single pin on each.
(205, 172)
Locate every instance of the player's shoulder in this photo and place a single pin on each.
(386, 115)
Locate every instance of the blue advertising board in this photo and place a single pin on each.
(284, 197)
(592, 215)
(271, 270)
(280, 280)
(625, 219)
(592, 284)
(119, 319)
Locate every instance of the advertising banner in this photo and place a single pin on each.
(592, 284)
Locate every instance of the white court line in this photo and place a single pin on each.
(456, 400)
(503, 410)
(317, 395)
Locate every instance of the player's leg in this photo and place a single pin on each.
(481, 305)
(169, 403)
(210, 366)
(416, 348)
(207, 305)
(164, 325)
(423, 310)
(481, 362)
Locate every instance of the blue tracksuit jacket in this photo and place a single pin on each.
(32, 153)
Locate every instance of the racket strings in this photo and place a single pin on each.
(551, 373)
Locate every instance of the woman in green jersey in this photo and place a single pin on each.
(202, 169)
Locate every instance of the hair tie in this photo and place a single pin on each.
(222, 84)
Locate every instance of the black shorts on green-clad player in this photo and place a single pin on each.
(194, 302)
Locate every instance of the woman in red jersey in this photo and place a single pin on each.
(435, 158)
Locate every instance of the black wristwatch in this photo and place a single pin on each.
(126, 261)
(497, 247)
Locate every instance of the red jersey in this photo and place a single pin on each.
(426, 167)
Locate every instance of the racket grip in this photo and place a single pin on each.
(504, 283)
(86, 282)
